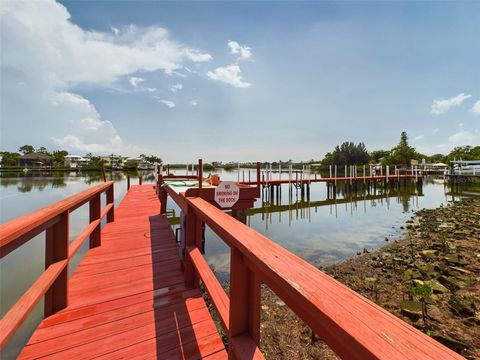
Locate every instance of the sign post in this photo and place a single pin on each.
(227, 194)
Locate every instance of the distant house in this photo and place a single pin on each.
(139, 162)
(74, 161)
(35, 159)
(116, 161)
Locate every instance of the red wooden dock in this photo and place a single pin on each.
(317, 179)
(127, 298)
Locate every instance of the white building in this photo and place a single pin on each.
(74, 161)
(113, 160)
(141, 163)
(466, 167)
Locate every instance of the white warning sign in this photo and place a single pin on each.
(227, 194)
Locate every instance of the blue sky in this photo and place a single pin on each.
(239, 80)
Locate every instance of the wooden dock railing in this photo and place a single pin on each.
(353, 326)
(54, 220)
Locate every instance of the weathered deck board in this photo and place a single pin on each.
(127, 298)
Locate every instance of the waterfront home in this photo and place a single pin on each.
(75, 161)
(115, 161)
(140, 163)
(35, 159)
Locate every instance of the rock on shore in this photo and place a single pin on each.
(430, 279)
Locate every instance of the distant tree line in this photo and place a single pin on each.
(57, 158)
(348, 153)
(402, 154)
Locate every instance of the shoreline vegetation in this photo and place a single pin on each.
(347, 153)
(429, 278)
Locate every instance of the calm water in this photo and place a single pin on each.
(320, 230)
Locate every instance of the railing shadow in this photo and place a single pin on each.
(177, 309)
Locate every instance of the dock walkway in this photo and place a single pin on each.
(127, 298)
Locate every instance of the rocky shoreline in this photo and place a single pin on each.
(430, 279)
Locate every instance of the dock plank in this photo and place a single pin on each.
(127, 298)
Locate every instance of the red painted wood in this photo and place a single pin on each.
(193, 235)
(128, 295)
(215, 291)
(204, 346)
(168, 334)
(19, 312)
(95, 215)
(254, 299)
(148, 323)
(179, 199)
(108, 208)
(56, 249)
(80, 239)
(55, 220)
(200, 173)
(163, 199)
(353, 326)
(244, 348)
(244, 306)
(159, 297)
(181, 303)
(39, 219)
(338, 179)
(110, 201)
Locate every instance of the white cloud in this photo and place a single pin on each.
(196, 56)
(86, 130)
(71, 55)
(244, 52)
(168, 103)
(442, 106)
(476, 108)
(193, 103)
(229, 75)
(175, 88)
(436, 130)
(135, 81)
(464, 137)
(41, 47)
(419, 137)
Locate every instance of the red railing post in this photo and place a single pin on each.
(56, 249)
(193, 235)
(157, 177)
(200, 173)
(110, 200)
(162, 195)
(244, 301)
(140, 180)
(258, 175)
(95, 211)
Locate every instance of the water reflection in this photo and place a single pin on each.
(299, 205)
(324, 229)
(29, 181)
